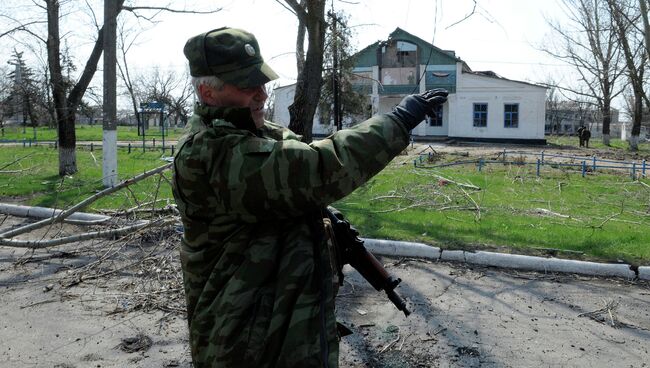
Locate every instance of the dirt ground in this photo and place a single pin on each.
(120, 304)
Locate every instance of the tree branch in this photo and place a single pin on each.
(39, 244)
(82, 204)
(466, 17)
(162, 8)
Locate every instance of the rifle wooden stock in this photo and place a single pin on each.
(352, 252)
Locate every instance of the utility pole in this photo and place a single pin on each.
(335, 73)
(109, 125)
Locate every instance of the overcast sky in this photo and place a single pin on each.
(501, 35)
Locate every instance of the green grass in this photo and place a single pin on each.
(596, 143)
(605, 216)
(34, 178)
(86, 133)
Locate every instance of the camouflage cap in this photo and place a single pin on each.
(230, 54)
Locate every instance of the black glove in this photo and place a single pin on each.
(413, 108)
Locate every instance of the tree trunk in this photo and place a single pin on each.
(67, 145)
(636, 120)
(65, 121)
(635, 73)
(308, 86)
(67, 161)
(66, 106)
(607, 120)
(646, 24)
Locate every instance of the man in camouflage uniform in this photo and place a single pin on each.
(258, 278)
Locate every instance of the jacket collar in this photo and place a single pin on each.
(238, 117)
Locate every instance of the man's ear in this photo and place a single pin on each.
(207, 94)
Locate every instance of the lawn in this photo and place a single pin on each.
(604, 216)
(596, 143)
(33, 179)
(85, 133)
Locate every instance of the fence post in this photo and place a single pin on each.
(542, 159)
(129, 147)
(594, 165)
(538, 165)
(633, 170)
(643, 169)
(23, 142)
(504, 155)
(92, 147)
(154, 142)
(584, 168)
(480, 164)
(172, 150)
(415, 163)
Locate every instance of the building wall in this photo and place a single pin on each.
(399, 77)
(496, 93)
(283, 99)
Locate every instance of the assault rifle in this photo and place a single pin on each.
(351, 251)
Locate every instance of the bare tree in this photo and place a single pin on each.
(553, 116)
(591, 46)
(127, 39)
(5, 97)
(172, 89)
(65, 102)
(644, 5)
(311, 18)
(626, 15)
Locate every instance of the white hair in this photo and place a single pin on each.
(209, 80)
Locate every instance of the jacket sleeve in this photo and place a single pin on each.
(265, 178)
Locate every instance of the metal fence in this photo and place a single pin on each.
(584, 164)
(149, 145)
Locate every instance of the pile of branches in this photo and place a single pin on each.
(135, 252)
(438, 194)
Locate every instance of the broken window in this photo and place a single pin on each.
(480, 114)
(435, 119)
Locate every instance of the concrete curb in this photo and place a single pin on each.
(644, 273)
(514, 261)
(403, 249)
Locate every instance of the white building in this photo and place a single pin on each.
(482, 106)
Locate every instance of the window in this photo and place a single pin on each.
(480, 114)
(511, 115)
(436, 118)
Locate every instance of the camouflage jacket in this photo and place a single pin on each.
(257, 273)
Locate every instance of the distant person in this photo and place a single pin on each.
(259, 277)
(584, 135)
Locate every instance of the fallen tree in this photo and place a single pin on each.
(6, 238)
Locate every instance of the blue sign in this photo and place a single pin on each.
(152, 105)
